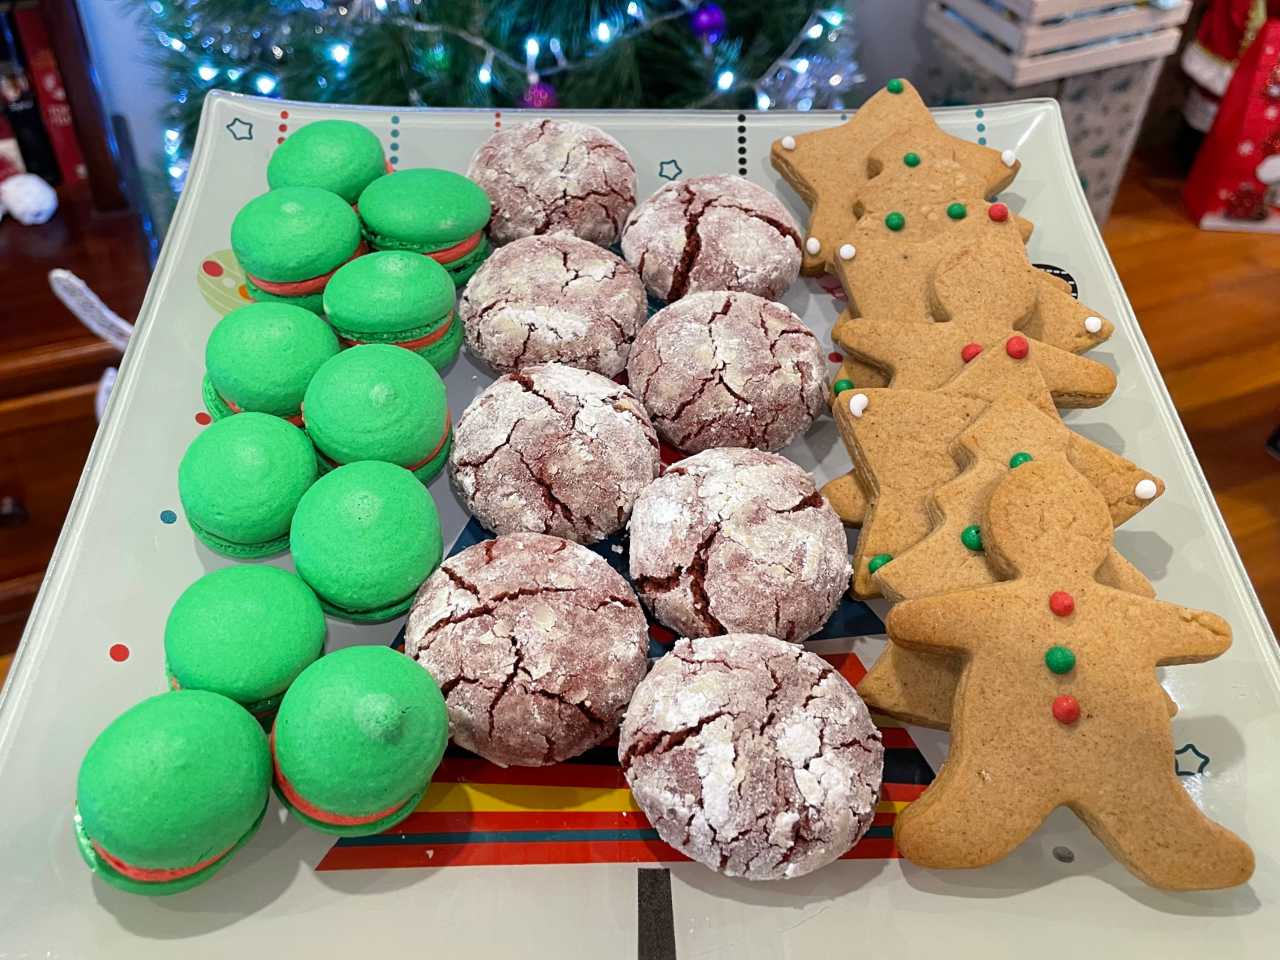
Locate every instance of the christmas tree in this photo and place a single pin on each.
(757, 54)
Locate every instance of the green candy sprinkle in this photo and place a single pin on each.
(878, 561)
(1059, 659)
(911, 159)
(894, 85)
(956, 211)
(895, 221)
(971, 537)
(1018, 459)
(840, 386)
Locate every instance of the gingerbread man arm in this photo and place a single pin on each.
(958, 622)
(1177, 634)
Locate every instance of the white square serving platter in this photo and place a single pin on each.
(122, 560)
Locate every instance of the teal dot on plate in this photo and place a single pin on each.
(394, 145)
(981, 127)
(395, 133)
(395, 119)
(168, 516)
(979, 112)
(982, 141)
(394, 161)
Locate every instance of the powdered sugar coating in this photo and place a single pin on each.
(537, 644)
(557, 298)
(553, 449)
(555, 176)
(738, 541)
(752, 756)
(713, 233)
(728, 370)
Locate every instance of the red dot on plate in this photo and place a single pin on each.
(284, 114)
(1062, 603)
(998, 212)
(834, 357)
(212, 267)
(969, 351)
(203, 419)
(279, 139)
(1017, 347)
(283, 127)
(1066, 709)
(118, 652)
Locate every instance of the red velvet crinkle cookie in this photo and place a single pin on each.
(537, 644)
(555, 176)
(752, 756)
(738, 541)
(553, 449)
(721, 369)
(713, 233)
(557, 298)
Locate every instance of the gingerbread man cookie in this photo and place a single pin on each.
(1058, 702)
(831, 168)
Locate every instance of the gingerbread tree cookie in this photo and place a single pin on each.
(918, 686)
(1058, 702)
(830, 168)
(900, 444)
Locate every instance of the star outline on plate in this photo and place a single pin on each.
(240, 129)
(1200, 763)
(669, 170)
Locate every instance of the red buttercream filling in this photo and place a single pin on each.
(448, 422)
(428, 340)
(457, 251)
(296, 419)
(300, 288)
(314, 812)
(155, 875)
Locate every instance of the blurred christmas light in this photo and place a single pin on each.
(763, 102)
(206, 72)
(532, 48)
(339, 53)
(801, 65)
(485, 73)
(266, 85)
(603, 32)
(725, 80)
(814, 32)
(633, 10)
(833, 17)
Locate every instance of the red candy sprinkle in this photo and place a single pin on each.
(834, 357)
(118, 652)
(203, 419)
(1017, 347)
(998, 212)
(1066, 709)
(212, 267)
(284, 114)
(283, 127)
(969, 351)
(1062, 603)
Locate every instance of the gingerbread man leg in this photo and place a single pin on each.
(973, 814)
(1150, 803)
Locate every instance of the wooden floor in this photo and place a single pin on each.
(1209, 304)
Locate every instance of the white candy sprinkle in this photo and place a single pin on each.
(813, 245)
(847, 251)
(1008, 158)
(858, 402)
(1145, 489)
(788, 143)
(1093, 324)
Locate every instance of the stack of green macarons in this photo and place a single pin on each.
(396, 297)
(438, 213)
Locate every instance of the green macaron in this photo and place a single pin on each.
(436, 212)
(170, 790)
(289, 241)
(357, 739)
(365, 537)
(261, 358)
(396, 297)
(245, 632)
(379, 402)
(335, 155)
(240, 481)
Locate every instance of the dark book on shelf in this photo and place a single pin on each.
(18, 100)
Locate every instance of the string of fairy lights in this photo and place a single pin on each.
(815, 70)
